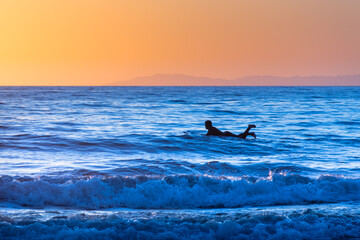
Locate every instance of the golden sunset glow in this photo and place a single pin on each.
(96, 42)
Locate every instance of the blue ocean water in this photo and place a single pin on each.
(135, 163)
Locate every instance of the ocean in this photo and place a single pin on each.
(135, 163)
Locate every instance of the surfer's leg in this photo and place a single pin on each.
(248, 129)
(252, 134)
(243, 135)
(246, 133)
(227, 133)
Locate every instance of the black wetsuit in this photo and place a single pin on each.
(213, 131)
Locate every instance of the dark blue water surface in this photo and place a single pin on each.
(134, 162)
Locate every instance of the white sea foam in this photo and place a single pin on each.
(155, 224)
(177, 192)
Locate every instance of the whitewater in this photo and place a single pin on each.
(135, 163)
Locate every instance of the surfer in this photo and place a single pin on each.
(213, 131)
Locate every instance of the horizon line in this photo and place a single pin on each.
(180, 86)
(228, 82)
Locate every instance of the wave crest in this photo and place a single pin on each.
(177, 192)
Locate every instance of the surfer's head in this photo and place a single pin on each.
(208, 124)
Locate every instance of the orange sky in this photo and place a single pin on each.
(94, 42)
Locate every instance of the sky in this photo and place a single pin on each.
(96, 42)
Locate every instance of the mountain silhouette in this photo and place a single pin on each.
(187, 80)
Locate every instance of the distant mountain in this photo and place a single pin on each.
(186, 80)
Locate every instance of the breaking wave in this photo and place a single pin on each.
(177, 192)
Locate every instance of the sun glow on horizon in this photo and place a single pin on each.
(93, 42)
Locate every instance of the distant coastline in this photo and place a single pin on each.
(187, 80)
